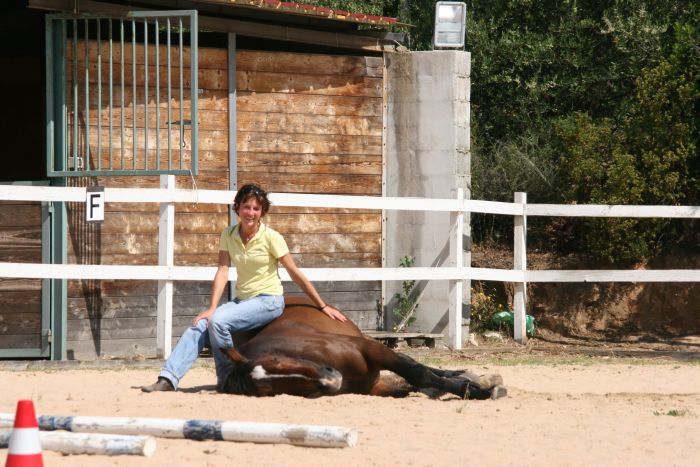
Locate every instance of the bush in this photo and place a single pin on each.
(405, 300)
(483, 308)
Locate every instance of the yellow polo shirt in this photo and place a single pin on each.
(256, 262)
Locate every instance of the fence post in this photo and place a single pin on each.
(166, 247)
(457, 260)
(520, 264)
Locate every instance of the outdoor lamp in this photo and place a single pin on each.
(450, 24)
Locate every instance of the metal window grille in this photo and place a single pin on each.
(122, 94)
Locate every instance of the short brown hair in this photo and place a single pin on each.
(251, 190)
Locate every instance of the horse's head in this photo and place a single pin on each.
(272, 375)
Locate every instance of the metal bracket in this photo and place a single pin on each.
(72, 163)
(183, 124)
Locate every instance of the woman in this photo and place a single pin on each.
(255, 250)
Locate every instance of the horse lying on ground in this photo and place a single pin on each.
(305, 353)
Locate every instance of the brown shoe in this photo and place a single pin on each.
(161, 385)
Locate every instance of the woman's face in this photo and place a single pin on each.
(250, 212)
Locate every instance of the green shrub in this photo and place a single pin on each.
(483, 307)
(404, 310)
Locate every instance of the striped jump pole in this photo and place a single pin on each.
(90, 443)
(252, 432)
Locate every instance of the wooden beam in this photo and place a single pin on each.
(166, 249)
(156, 195)
(520, 264)
(607, 210)
(455, 286)
(244, 28)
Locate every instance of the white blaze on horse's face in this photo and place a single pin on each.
(260, 373)
(331, 379)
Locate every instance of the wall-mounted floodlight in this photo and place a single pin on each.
(450, 24)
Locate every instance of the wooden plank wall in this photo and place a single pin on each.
(20, 299)
(306, 123)
(310, 123)
(117, 318)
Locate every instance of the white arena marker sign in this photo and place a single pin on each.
(95, 204)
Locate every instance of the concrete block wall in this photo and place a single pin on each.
(427, 155)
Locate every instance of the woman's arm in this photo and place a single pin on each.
(217, 287)
(300, 279)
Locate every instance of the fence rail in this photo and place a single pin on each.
(200, 273)
(166, 272)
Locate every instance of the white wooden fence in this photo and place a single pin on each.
(165, 272)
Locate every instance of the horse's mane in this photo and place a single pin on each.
(239, 381)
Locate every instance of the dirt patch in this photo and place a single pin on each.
(557, 414)
(603, 311)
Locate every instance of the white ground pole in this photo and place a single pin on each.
(166, 248)
(520, 264)
(252, 432)
(90, 443)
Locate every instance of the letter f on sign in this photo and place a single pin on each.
(95, 204)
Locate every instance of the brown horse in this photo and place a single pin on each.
(305, 353)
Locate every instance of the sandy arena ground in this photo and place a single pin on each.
(613, 414)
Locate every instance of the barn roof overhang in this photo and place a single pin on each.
(266, 19)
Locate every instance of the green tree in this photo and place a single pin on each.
(599, 171)
(663, 125)
(578, 101)
(650, 158)
(559, 111)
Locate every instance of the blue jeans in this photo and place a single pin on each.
(237, 315)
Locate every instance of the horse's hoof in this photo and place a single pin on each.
(489, 381)
(498, 391)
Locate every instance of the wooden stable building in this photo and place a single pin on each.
(291, 97)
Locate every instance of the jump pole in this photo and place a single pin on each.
(251, 432)
(90, 443)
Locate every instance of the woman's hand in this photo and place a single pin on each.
(217, 287)
(206, 314)
(334, 313)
